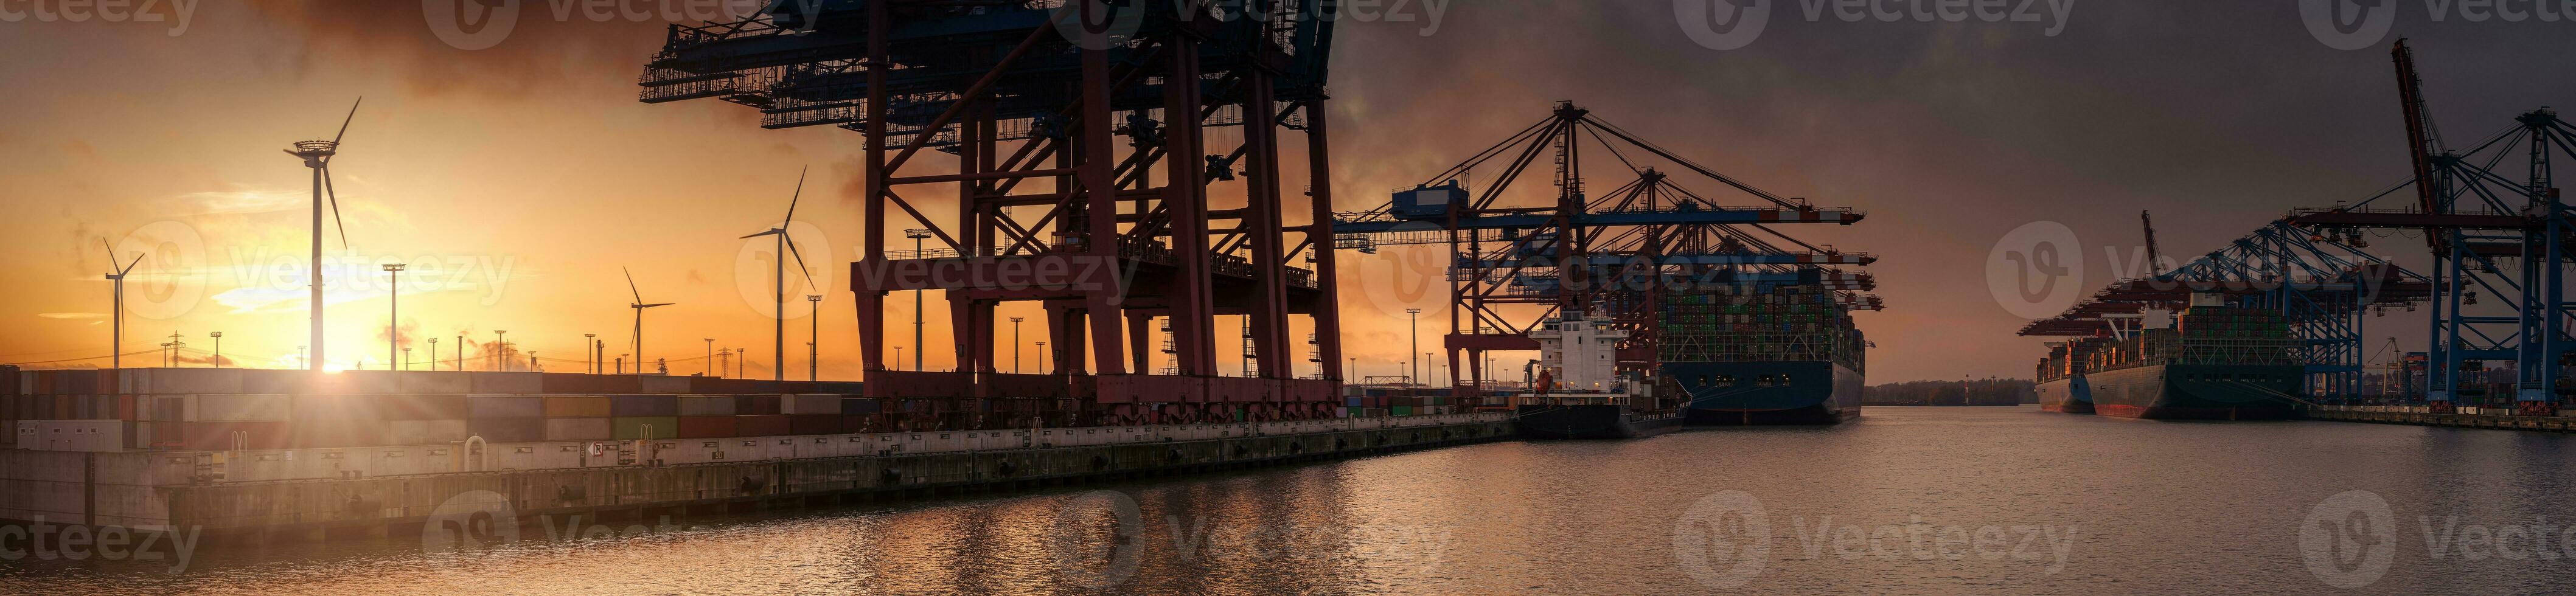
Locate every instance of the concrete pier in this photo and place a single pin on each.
(151, 491)
(2410, 416)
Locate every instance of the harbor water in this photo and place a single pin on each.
(1904, 500)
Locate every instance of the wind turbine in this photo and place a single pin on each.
(779, 278)
(116, 347)
(637, 339)
(317, 156)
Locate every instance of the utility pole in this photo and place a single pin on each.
(814, 333)
(219, 348)
(459, 349)
(916, 235)
(406, 361)
(393, 314)
(711, 357)
(500, 350)
(1416, 367)
(590, 352)
(172, 360)
(433, 353)
(1015, 344)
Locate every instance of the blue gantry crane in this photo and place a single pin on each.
(1568, 253)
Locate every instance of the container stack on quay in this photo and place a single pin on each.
(1373, 401)
(2201, 335)
(211, 409)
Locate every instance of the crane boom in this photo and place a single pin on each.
(2419, 139)
(2155, 259)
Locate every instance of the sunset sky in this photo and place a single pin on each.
(517, 180)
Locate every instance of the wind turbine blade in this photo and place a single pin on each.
(344, 123)
(768, 233)
(791, 201)
(111, 254)
(801, 267)
(630, 285)
(129, 265)
(335, 207)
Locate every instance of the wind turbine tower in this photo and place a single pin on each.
(317, 156)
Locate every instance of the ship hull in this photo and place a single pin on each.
(1797, 393)
(1611, 421)
(2071, 395)
(2196, 391)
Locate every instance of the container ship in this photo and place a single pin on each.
(1787, 356)
(2216, 362)
(2061, 384)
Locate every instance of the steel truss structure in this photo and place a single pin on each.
(1580, 255)
(1080, 165)
(2492, 234)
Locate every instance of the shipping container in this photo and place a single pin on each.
(225, 436)
(242, 408)
(508, 430)
(814, 424)
(630, 406)
(330, 434)
(422, 407)
(630, 428)
(508, 382)
(707, 405)
(858, 406)
(441, 381)
(763, 426)
(275, 382)
(707, 427)
(810, 403)
(661, 384)
(504, 406)
(617, 385)
(425, 432)
(188, 381)
(763, 404)
(573, 383)
(359, 382)
(578, 407)
(579, 429)
(323, 408)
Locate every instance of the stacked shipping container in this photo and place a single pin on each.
(223, 409)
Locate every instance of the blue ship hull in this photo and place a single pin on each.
(1766, 393)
